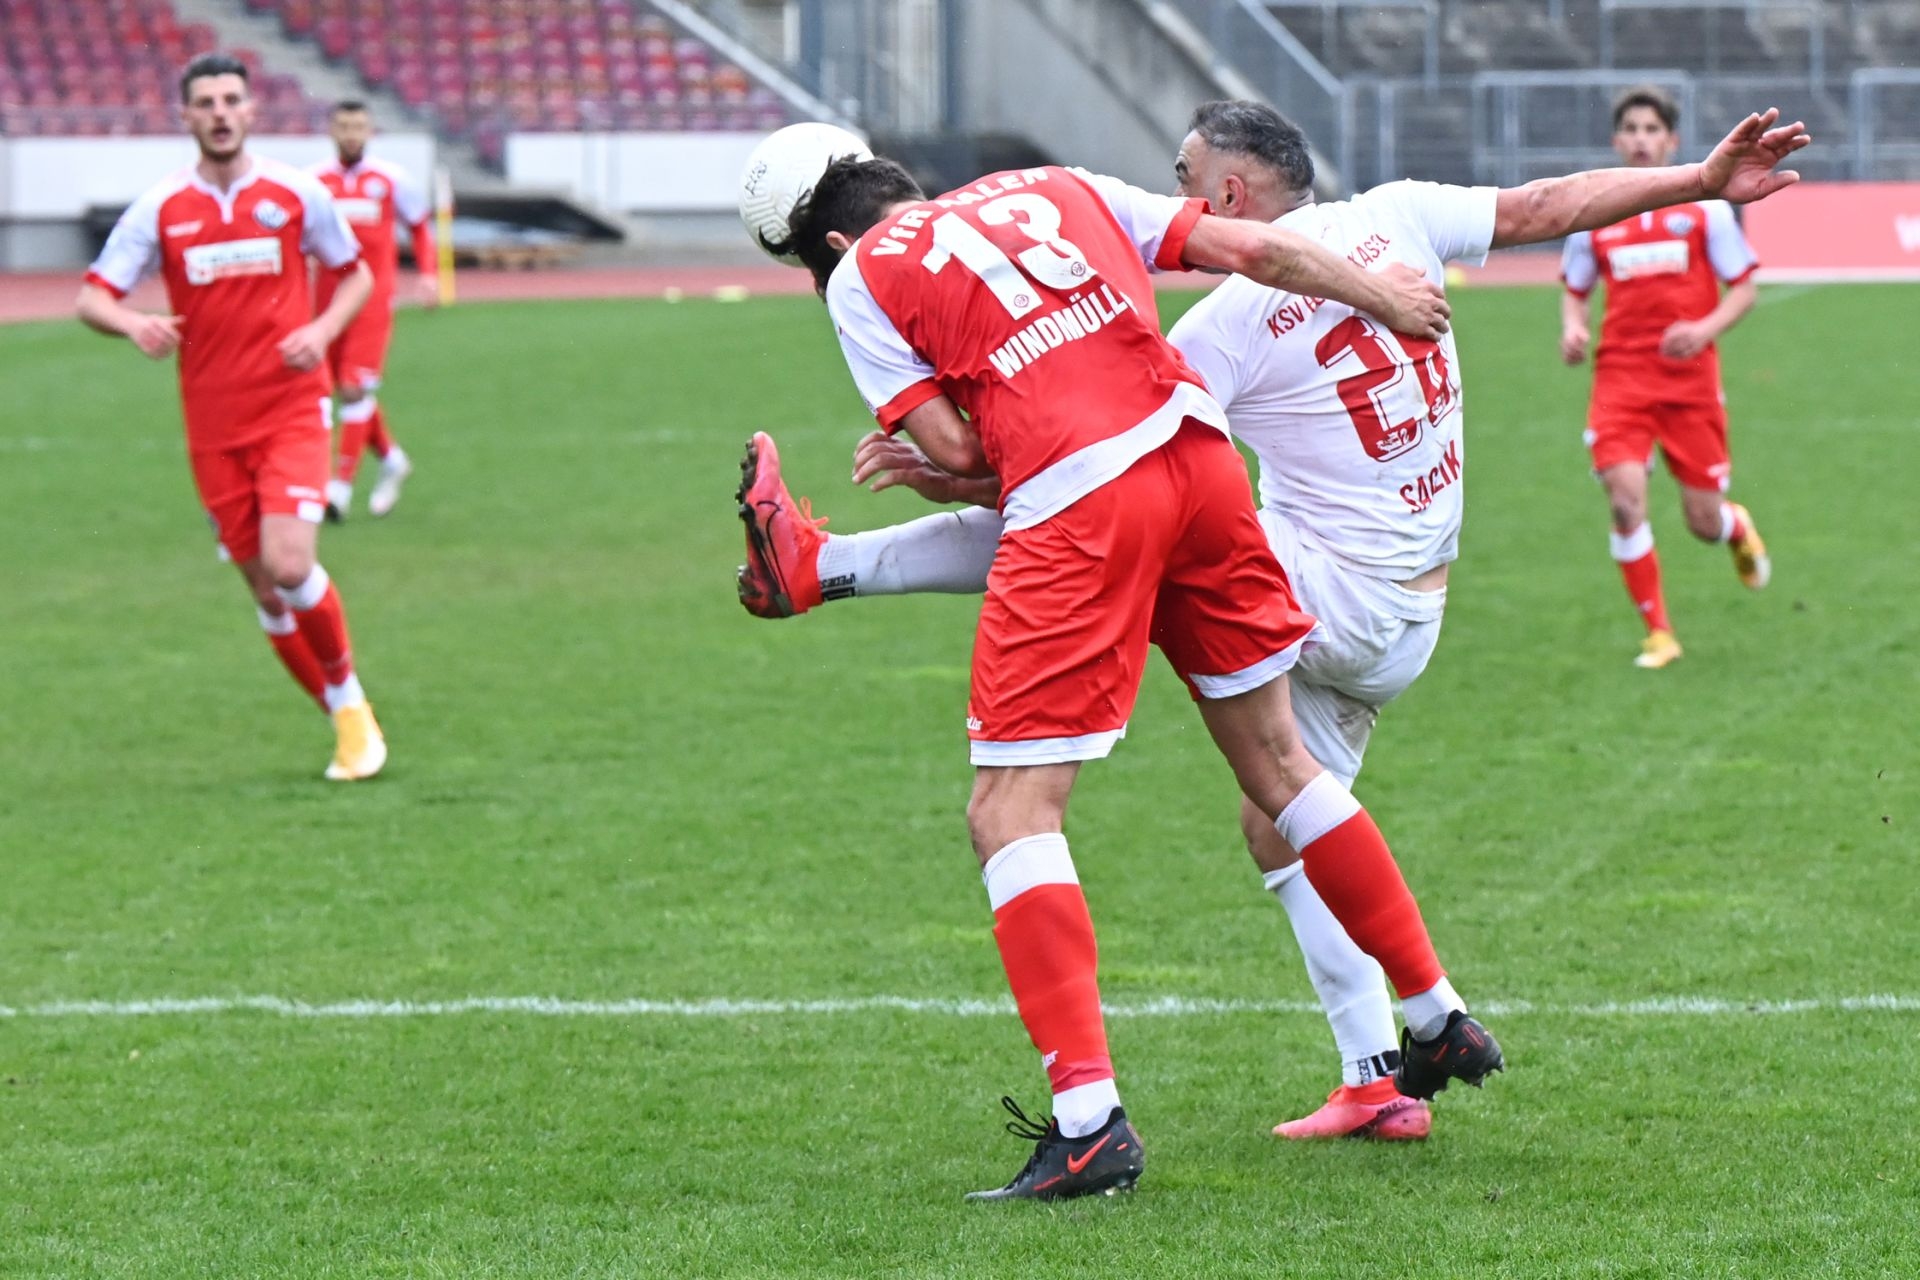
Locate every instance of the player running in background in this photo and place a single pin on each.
(1656, 376)
(230, 236)
(1361, 493)
(376, 198)
(1128, 521)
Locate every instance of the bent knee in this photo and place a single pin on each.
(290, 569)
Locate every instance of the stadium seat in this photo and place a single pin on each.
(92, 68)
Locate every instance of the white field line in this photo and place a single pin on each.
(1162, 1007)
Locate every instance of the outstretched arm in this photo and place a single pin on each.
(1743, 168)
(1282, 259)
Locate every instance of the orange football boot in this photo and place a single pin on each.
(781, 576)
(1378, 1111)
(1750, 558)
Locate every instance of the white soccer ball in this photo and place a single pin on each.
(782, 169)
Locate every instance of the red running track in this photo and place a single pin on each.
(49, 295)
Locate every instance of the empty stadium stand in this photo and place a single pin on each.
(103, 67)
(482, 68)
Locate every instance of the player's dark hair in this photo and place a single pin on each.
(1256, 130)
(347, 106)
(1652, 97)
(211, 64)
(850, 197)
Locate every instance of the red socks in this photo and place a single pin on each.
(1045, 935)
(323, 624)
(361, 424)
(1640, 566)
(1351, 868)
(283, 633)
(377, 438)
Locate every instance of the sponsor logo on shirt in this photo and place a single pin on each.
(184, 228)
(1678, 224)
(207, 263)
(1659, 258)
(270, 215)
(359, 212)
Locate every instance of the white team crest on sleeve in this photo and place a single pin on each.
(270, 215)
(1678, 224)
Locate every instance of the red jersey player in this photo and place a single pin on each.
(1657, 376)
(230, 236)
(376, 198)
(1128, 522)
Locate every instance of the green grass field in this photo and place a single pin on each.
(609, 784)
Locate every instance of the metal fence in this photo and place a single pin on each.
(1885, 105)
(889, 63)
(1250, 39)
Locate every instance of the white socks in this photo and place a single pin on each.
(1085, 1107)
(361, 410)
(347, 693)
(948, 552)
(1727, 523)
(309, 593)
(276, 624)
(1426, 1013)
(1349, 982)
(1628, 547)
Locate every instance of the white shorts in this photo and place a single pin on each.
(1378, 637)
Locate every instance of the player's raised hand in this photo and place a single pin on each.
(304, 348)
(1745, 166)
(1418, 307)
(157, 336)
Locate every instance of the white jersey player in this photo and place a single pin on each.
(1362, 467)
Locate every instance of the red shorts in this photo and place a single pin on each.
(1691, 436)
(358, 356)
(1170, 553)
(281, 474)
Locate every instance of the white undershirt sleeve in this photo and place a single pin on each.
(1727, 248)
(409, 199)
(891, 376)
(1457, 221)
(1578, 269)
(132, 252)
(326, 235)
(1157, 224)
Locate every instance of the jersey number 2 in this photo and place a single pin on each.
(1053, 261)
(1384, 368)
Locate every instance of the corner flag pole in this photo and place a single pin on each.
(443, 230)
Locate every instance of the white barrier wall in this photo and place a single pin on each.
(634, 172)
(55, 178)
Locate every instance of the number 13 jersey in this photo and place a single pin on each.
(1357, 428)
(1025, 299)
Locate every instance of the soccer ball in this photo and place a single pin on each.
(782, 169)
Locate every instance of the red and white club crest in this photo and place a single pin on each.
(374, 187)
(1678, 224)
(270, 215)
